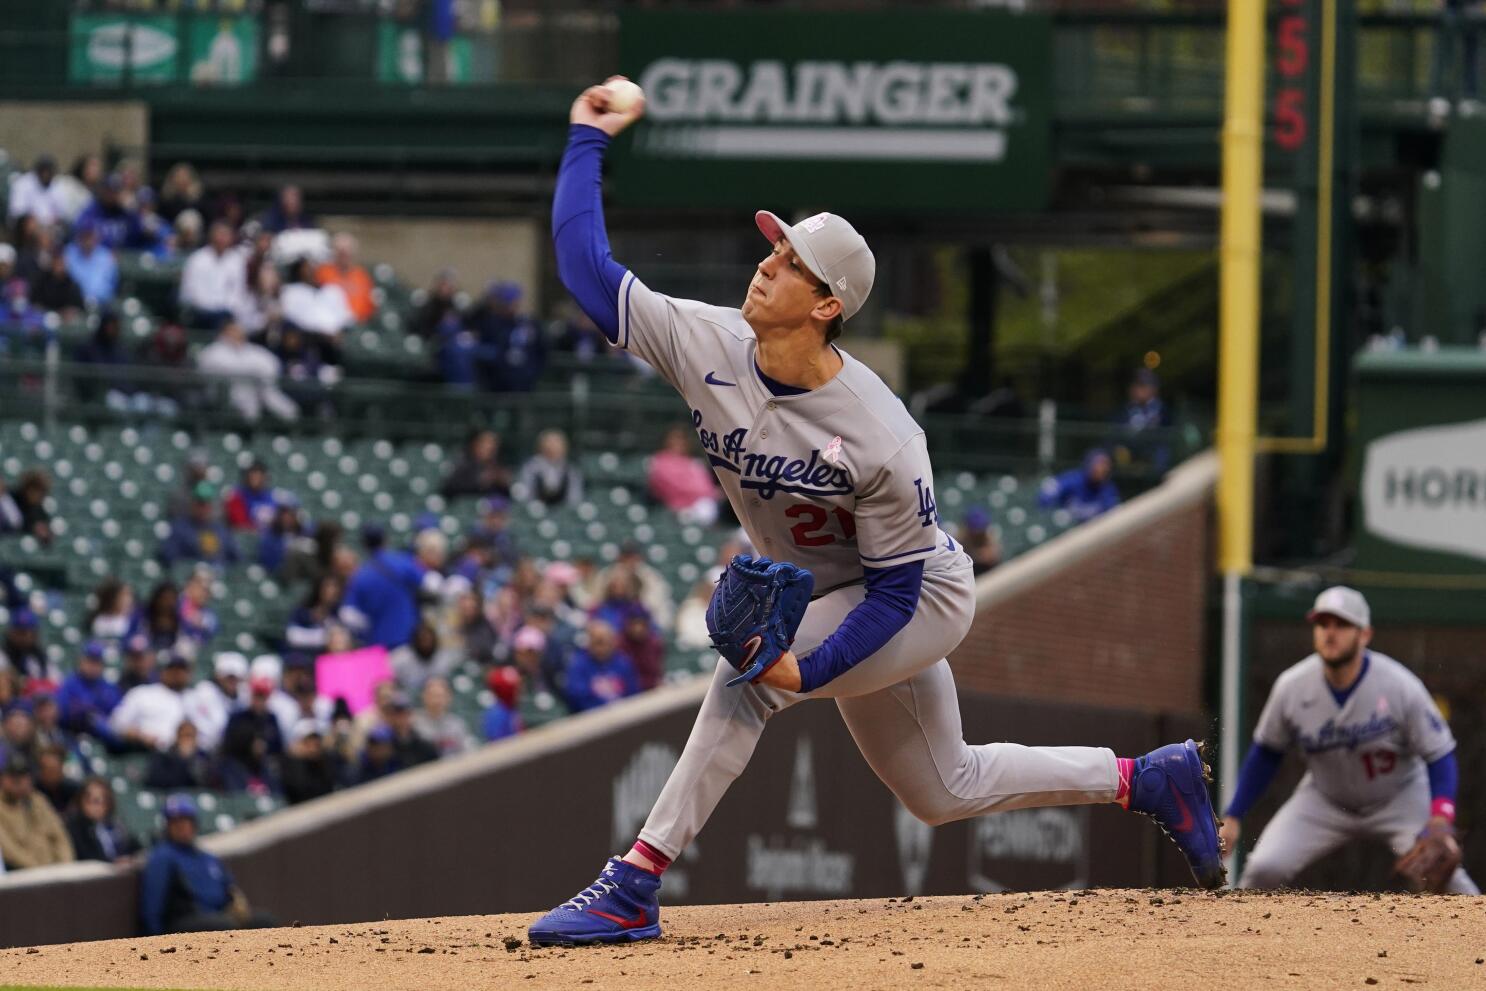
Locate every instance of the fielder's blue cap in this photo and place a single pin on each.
(180, 806)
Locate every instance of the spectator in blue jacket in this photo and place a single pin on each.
(381, 603)
(512, 351)
(597, 672)
(1085, 491)
(185, 889)
(199, 535)
(86, 697)
(108, 215)
(92, 266)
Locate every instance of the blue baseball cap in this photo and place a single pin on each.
(24, 619)
(506, 292)
(379, 734)
(94, 650)
(180, 806)
(978, 518)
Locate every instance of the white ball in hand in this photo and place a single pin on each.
(624, 96)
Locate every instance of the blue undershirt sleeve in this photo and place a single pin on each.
(1258, 770)
(1444, 777)
(892, 597)
(584, 262)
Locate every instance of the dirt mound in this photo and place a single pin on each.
(1142, 940)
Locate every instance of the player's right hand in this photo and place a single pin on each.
(592, 108)
(1228, 834)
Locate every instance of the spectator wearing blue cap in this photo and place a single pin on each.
(980, 540)
(1086, 491)
(87, 698)
(199, 535)
(383, 597)
(379, 756)
(108, 214)
(148, 232)
(92, 266)
(513, 350)
(479, 471)
(1140, 434)
(18, 730)
(185, 889)
(21, 650)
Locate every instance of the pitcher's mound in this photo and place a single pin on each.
(1142, 940)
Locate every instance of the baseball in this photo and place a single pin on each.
(624, 96)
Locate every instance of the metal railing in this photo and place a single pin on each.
(600, 412)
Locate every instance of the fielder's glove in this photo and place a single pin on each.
(754, 613)
(1432, 859)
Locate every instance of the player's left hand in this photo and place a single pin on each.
(784, 673)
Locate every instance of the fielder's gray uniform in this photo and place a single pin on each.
(834, 480)
(1365, 766)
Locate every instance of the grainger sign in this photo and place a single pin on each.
(883, 111)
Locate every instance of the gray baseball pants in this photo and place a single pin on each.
(1310, 825)
(902, 711)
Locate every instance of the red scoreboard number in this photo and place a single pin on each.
(1291, 57)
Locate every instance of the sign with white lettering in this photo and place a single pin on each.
(882, 110)
(1426, 488)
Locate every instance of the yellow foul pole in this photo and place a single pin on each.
(1238, 351)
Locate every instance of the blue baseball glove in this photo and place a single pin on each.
(754, 613)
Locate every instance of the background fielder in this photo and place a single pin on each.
(1379, 757)
(824, 468)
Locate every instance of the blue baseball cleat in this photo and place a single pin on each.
(1170, 786)
(620, 907)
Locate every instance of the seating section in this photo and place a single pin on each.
(113, 475)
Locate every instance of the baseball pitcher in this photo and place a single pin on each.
(858, 595)
(1379, 759)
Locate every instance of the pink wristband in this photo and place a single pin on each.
(1444, 808)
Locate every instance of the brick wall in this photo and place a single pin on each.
(1119, 625)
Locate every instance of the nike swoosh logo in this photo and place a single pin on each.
(635, 923)
(712, 379)
(1186, 822)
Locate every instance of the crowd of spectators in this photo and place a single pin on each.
(571, 636)
(271, 295)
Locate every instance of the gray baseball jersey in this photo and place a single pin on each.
(1365, 751)
(834, 480)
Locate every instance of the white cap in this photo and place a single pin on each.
(7, 254)
(833, 250)
(303, 728)
(266, 667)
(231, 664)
(1343, 603)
